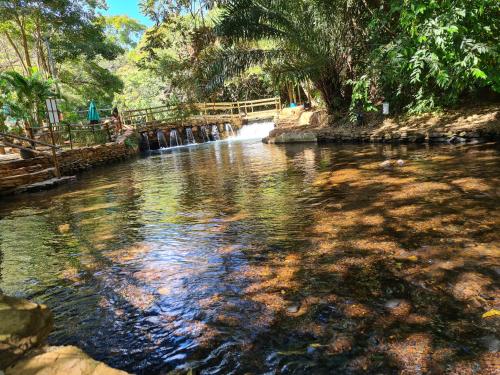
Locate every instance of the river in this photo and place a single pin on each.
(238, 257)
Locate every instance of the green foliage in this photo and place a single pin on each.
(26, 95)
(183, 52)
(436, 52)
(132, 142)
(312, 40)
(360, 94)
(84, 80)
(419, 55)
(124, 31)
(65, 40)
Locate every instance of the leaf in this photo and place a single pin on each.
(491, 313)
(478, 73)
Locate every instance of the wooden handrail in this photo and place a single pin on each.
(8, 144)
(5, 135)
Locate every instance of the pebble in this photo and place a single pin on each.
(293, 309)
(392, 304)
(64, 228)
(491, 343)
(400, 162)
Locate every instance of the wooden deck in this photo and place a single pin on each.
(196, 114)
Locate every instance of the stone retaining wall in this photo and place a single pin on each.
(18, 173)
(475, 124)
(73, 161)
(409, 136)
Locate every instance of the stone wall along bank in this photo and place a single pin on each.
(475, 124)
(16, 174)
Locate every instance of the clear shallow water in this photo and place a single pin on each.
(239, 257)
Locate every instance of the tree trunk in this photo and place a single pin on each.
(18, 53)
(43, 62)
(24, 40)
(335, 98)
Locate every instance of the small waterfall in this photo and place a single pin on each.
(255, 130)
(229, 130)
(215, 133)
(144, 142)
(190, 136)
(174, 138)
(162, 141)
(204, 134)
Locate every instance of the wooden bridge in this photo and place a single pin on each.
(197, 114)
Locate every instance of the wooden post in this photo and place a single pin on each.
(54, 154)
(70, 137)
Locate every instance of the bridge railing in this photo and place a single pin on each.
(206, 111)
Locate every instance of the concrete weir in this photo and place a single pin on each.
(166, 136)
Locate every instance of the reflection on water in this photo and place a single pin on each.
(241, 257)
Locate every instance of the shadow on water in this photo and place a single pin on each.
(239, 257)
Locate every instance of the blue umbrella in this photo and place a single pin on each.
(93, 115)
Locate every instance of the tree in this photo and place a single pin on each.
(66, 40)
(26, 95)
(321, 41)
(124, 31)
(73, 29)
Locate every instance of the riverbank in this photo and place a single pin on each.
(470, 125)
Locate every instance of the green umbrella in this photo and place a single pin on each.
(93, 115)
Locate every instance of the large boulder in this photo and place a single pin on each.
(313, 119)
(61, 360)
(23, 325)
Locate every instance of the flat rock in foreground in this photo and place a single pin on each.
(61, 360)
(23, 325)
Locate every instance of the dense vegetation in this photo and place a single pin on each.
(419, 55)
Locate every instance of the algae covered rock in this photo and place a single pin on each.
(23, 325)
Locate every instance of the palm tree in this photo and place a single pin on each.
(26, 95)
(311, 40)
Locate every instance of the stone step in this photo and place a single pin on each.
(22, 163)
(21, 170)
(44, 185)
(26, 178)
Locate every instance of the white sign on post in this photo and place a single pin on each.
(385, 108)
(52, 110)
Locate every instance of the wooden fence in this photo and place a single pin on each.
(205, 112)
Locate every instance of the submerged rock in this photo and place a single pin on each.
(386, 164)
(392, 304)
(61, 360)
(23, 325)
